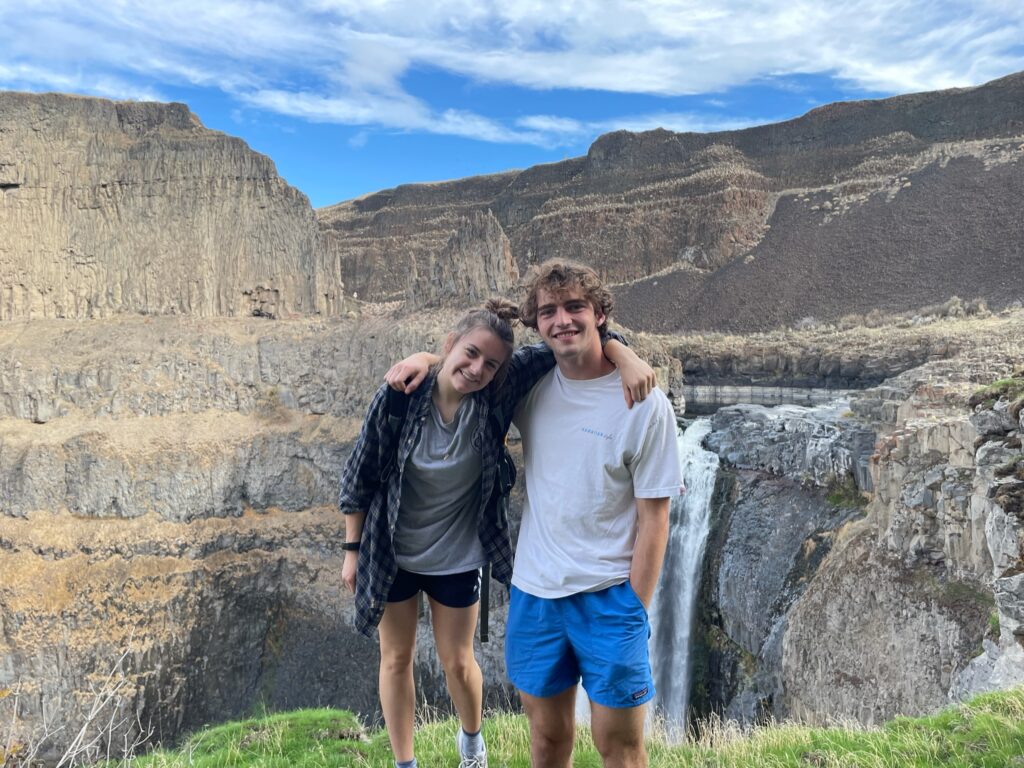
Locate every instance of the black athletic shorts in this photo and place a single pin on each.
(455, 590)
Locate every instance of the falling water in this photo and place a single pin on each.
(676, 596)
(673, 605)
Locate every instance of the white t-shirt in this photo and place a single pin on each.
(588, 458)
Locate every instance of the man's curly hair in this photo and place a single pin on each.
(557, 277)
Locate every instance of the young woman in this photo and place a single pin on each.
(418, 493)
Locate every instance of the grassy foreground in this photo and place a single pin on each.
(988, 731)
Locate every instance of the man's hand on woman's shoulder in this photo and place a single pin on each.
(406, 375)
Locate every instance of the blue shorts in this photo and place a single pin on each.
(454, 590)
(600, 637)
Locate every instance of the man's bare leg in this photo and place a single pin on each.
(552, 728)
(619, 736)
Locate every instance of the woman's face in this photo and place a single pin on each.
(471, 361)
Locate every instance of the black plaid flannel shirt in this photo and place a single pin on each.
(364, 489)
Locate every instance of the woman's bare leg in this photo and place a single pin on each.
(453, 636)
(397, 690)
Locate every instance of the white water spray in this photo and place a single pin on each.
(675, 598)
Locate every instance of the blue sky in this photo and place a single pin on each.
(349, 96)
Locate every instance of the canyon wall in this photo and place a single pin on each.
(124, 207)
(818, 603)
(167, 493)
(854, 207)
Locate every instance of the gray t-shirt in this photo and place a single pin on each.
(436, 532)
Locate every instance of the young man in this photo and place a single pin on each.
(595, 524)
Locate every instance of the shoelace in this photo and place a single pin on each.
(474, 761)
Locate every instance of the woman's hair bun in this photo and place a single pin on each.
(503, 308)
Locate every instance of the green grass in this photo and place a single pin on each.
(988, 732)
(993, 625)
(843, 492)
(307, 738)
(1011, 389)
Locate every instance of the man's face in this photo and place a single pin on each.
(568, 322)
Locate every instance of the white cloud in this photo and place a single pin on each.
(552, 124)
(562, 130)
(30, 77)
(402, 112)
(347, 61)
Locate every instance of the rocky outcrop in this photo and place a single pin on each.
(167, 494)
(109, 208)
(854, 359)
(193, 621)
(842, 211)
(817, 608)
(929, 585)
(159, 366)
(874, 636)
(787, 484)
(475, 265)
(374, 240)
(817, 446)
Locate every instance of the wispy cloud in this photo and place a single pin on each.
(559, 131)
(25, 76)
(348, 61)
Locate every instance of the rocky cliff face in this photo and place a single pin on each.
(816, 607)
(167, 492)
(842, 211)
(475, 264)
(122, 207)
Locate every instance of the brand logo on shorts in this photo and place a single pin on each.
(640, 694)
(605, 435)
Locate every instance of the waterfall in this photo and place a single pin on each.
(674, 600)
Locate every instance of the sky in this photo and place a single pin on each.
(349, 97)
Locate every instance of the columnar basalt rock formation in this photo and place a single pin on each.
(124, 207)
(475, 264)
(167, 492)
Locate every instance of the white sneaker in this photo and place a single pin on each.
(476, 760)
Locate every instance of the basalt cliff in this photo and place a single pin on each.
(854, 207)
(865, 558)
(187, 348)
(107, 208)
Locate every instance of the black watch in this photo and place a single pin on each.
(350, 546)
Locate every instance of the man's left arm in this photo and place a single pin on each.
(657, 477)
(649, 550)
